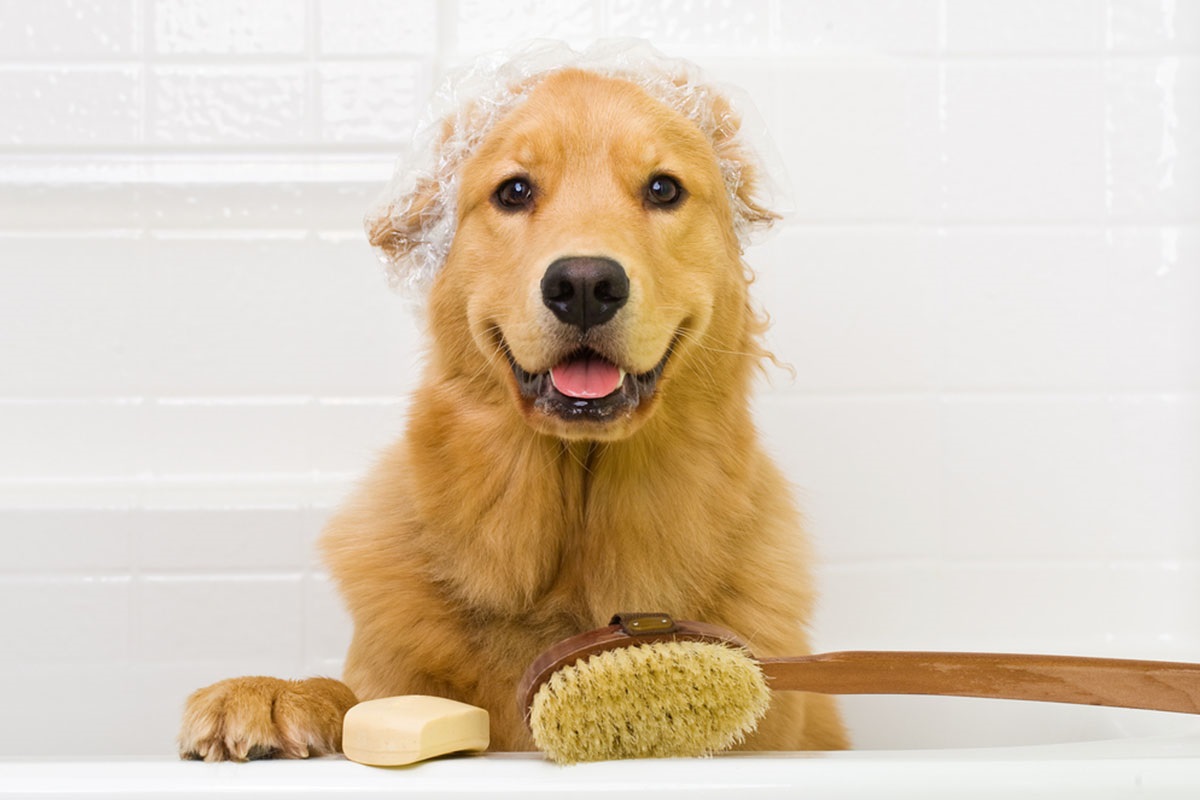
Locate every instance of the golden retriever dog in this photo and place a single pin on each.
(581, 443)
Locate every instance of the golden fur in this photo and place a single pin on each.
(495, 528)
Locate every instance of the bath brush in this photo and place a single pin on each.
(650, 686)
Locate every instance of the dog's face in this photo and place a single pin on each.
(594, 246)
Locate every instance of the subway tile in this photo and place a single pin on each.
(57, 106)
(1130, 610)
(1153, 163)
(198, 539)
(42, 205)
(890, 26)
(67, 439)
(246, 450)
(484, 26)
(1156, 471)
(125, 710)
(288, 198)
(186, 319)
(852, 308)
(69, 29)
(68, 492)
(250, 437)
(1155, 26)
(860, 138)
(64, 619)
(278, 315)
(218, 617)
(865, 472)
(888, 605)
(1029, 477)
(378, 27)
(100, 698)
(1153, 329)
(328, 626)
(349, 434)
(1025, 309)
(1024, 141)
(79, 198)
(68, 314)
(696, 25)
(219, 437)
(233, 490)
(66, 540)
(229, 105)
(234, 312)
(1020, 27)
(241, 27)
(378, 104)
(1069, 309)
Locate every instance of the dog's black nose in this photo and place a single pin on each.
(585, 292)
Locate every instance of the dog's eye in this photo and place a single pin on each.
(514, 194)
(663, 191)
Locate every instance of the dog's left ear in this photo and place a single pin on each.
(738, 165)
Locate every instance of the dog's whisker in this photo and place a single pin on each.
(711, 380)
(699, 342)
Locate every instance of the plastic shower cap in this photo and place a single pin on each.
(414, 223)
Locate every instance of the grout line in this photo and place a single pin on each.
(225, 575)
(946, 396)
(235, 61)
(310, 574)
(95, 576)
(790, 393)
(144, 29)
(385, 400)
(934, 228)
(1051, 562)
(312, 47)
(447, 12)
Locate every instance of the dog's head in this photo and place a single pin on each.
(594, 251)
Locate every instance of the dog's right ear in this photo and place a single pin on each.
(406, 223)
(412, 227)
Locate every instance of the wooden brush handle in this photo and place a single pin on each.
(1158, 685)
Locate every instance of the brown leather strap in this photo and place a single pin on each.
(1122, 683)
(1125, 683)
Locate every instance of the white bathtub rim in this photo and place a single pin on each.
(1153, 767)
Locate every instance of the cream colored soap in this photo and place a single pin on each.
(401, 730)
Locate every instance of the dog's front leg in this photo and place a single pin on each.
(242, 719)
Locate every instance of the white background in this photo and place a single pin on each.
(989, 290)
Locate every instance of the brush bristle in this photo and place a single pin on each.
(659, 700)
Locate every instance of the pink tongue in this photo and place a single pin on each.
(586, 377)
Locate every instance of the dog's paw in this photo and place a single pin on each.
(242, 719)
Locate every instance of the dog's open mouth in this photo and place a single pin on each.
(586, 386)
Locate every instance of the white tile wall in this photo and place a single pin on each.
(220, 27)
(989, 290)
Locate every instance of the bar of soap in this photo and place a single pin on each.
(392, 731)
